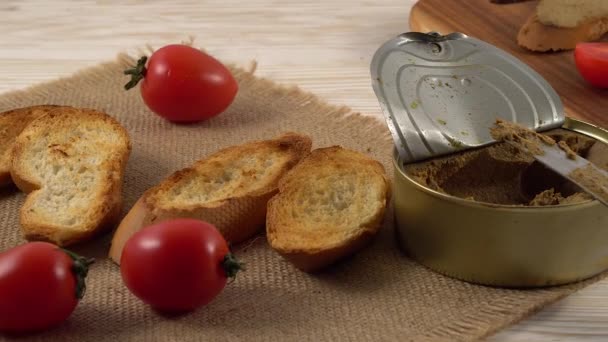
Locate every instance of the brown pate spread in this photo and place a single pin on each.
(502, 174)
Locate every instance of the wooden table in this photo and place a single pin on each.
(323, 46)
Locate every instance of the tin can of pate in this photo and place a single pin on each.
(502, 245)
(440, 94)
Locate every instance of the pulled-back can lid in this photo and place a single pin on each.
(441, 94)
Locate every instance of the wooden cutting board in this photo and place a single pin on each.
(498, 25)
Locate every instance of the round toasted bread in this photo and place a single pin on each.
(328, 207)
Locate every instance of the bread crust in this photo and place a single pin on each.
(109, 197)
(311, 258)
(237, 217)
(536, 36)
(315, 260)
(570, 13)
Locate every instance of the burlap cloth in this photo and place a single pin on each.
(378, 295)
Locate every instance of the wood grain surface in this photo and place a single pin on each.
(322, 46)
(498, 25)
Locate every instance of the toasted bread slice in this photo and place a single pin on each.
(329, 206)
(571, 13)
(536, 36)
(229, 189)
(71, 161)
(11, 125)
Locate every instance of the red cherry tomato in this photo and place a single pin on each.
(177, 265)
(184, 84)
(40, 285)
(592, 63)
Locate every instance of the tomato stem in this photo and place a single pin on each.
(80, 268)
(137, 73)
(232, 265)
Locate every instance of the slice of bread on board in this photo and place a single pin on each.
(71, 162)
(12, 123)
(328, 207)
(229, 189)
(559, 25)
(536, 36)
(571, 13)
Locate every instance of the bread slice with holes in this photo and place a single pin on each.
(328, 207)
(71, 162)
(12, 124)
(229, 189)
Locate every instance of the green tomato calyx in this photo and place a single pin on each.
(137, 73)
(80, 268)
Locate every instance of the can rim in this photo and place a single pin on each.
(571, 124)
